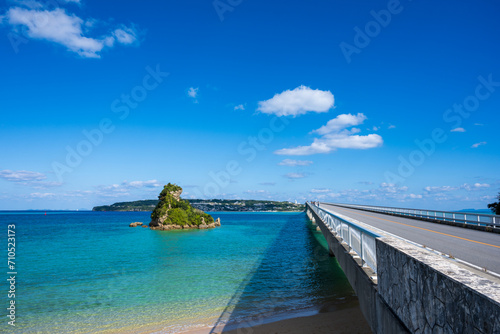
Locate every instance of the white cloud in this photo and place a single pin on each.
(79, 193)
(327, 145)
(43, 184)
(290, 162)
(125, 35)
(385, 192)
(124, 188)
(476, 145)
(478, 124)
(142, 184)
(267, 183)
(465, 186)
(488, 198)
(391, 188)
(27, 178)
(297, 102)
(256, 192)
(341, 122)
(458, 130)
(391, 127)
(21, 176)
(295, 175)
(320, 191)
(334, 136)
(239, 107)
(193, 93)
(481, 185)
(439, 189)
(59, 27)
(42, 195)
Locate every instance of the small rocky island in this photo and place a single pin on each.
(173, 213)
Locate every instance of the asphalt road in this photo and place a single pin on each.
(477, 247)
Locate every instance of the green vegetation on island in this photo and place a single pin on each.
(172, 212)
(209, 205)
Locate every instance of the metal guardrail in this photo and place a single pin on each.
(450, 216)
(359, 240)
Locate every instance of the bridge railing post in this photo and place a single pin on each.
(363, 262)
(349, 236)
(359, 240)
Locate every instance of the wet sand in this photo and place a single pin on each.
(347, 320)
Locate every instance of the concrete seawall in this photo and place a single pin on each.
(415, 290)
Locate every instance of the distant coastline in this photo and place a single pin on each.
(210, 206)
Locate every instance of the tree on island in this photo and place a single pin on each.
(495, 207)
(172, 212)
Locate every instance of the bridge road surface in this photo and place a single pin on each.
(476, 247)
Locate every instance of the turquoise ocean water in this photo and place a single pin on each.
(88, 272)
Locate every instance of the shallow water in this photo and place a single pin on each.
(88, 272)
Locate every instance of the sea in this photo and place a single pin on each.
(89, 272)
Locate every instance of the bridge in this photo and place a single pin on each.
(417, 271)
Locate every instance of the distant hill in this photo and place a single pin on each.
(244, 205)
(477, 211)
(208, 205)
(144, 205)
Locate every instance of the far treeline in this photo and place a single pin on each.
(208, 205)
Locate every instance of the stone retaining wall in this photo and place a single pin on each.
(433, 295)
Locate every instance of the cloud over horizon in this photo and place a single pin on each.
(320, 191)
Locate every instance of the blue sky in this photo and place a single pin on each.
(371, 102)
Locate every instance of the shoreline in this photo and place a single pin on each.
(270, 211)
(344, 319)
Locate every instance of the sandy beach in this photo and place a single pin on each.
(347, 320)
